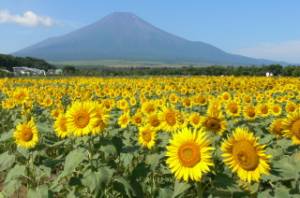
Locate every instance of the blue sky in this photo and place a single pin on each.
(258, 28)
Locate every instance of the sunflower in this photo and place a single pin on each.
(26, 135)
(154, 121)
(215, 123)
(124, 120)
(60, 126)
(226, 96)
(149, 107)
(290, 107)
(189, 154)
(263, 110)
(195, 120)
(147, 137)
(81, 118)
(102, 119)
(250, 112)
(173, 98)
(291, 126)
(168, 117)
(233, 108)
(20, 95)
(137, 119)
(276, 127)
(243, 154)
(276, 109)
(186, 102)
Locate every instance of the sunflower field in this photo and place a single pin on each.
(150, 137)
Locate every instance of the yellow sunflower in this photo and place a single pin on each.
(81, 118)
(124, 120)
(276, 109)
(60, 126)
(26, 135)
(154, 121)
(250, 112)
(263, 110)
(168, 117)
(276, 127)
(189, 154)
(243, 154)
(147, 137)
(195, 120)
(214, 123)
(233, 108)
(102, 119)
(137, 119)
(149, 107)
(291, 126)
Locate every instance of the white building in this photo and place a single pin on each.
(27, 71)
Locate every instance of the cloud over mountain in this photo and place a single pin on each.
(28, 18)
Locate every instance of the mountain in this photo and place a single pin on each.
(125, 36)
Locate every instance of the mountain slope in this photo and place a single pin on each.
(125, 36)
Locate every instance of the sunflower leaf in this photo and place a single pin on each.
(73, 159)
(179, 188)
(6, 161)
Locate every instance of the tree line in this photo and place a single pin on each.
(215, 70)
(8, 62)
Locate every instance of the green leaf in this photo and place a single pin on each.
(94, 180)
(125, 184)
(39, 192)
(126, 158)
(14, 173)
(153, 160)
(264, 194)
(164, 193)
(6, 136)
(73, 159)
(10, 187)
(282, 192)
(288, 167)
(179, 188)
(109, 150)
(6, 161)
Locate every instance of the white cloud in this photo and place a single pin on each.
(28, 18)
(288, 51)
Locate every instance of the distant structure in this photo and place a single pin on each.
(269, 74)
(5, 71)
(55, 72)
(27, 71)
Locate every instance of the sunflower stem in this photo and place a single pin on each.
(200, 190)
(91, 153)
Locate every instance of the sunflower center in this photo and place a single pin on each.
(189, 154)
(150, 108)
(27, 134)
(170, 118)
(196, 120)
(82, 119)
(276, 109)
(277, 129)
(63, 125)
(296, 128)
(213, 123)
(138, 120)
(291, 108)
(146, 134)
(251, 112)
(154, 122)
(245, 154)
(233, 108)
(264, 109)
